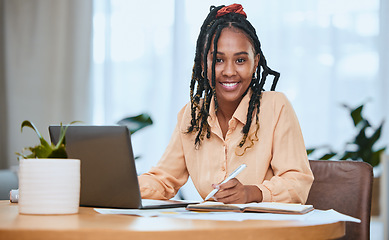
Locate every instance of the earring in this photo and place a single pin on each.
(202, 74)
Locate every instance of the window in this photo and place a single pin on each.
(326, 51)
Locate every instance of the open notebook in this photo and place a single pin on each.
(108, 172)
(262, 207)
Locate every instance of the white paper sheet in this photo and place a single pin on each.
(319, 216)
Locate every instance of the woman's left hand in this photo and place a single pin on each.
(234, 191)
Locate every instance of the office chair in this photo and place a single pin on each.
(346, 187)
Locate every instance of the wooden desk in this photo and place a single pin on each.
(91, 225)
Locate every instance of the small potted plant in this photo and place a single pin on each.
(49, 182)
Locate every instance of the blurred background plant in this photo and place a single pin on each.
(362, 147)
(136, 123)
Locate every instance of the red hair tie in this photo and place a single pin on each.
(233, 8)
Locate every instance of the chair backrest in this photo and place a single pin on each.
(346, 187)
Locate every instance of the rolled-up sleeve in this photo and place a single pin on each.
(293, 177)
(164, 180)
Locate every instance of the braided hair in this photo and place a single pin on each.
(201, 92)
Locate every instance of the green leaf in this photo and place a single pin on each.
(356, 115)
(27, 123)
(376, 158)
(41, 151)
(59, 152)
(327, 156)
(361, 140)
(377, 134)
(62, 134)
(366, 144)
(349, 155)
(136, 123)
(310, 151)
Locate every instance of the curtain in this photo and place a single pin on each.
(47, 61)
(133, 71)
(3, 118)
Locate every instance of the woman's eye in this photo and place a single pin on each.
(219, 60)
(240, 60)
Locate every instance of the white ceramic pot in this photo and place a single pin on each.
(49, 186)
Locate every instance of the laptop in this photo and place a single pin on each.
(108, 173)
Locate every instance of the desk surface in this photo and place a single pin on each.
(91, 225)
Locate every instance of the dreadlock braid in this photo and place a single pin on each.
(201, 92)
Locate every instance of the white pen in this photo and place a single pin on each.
(232, 175)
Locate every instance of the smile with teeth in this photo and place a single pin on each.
(229, 84)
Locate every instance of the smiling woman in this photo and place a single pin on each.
(215, 131)
(313, 43)
(236, 63)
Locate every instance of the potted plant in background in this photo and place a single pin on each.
(49, 182)
(361, 148)
(136, 123)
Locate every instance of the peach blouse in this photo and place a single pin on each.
(277, 163)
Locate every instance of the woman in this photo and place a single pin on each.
(231, 120)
